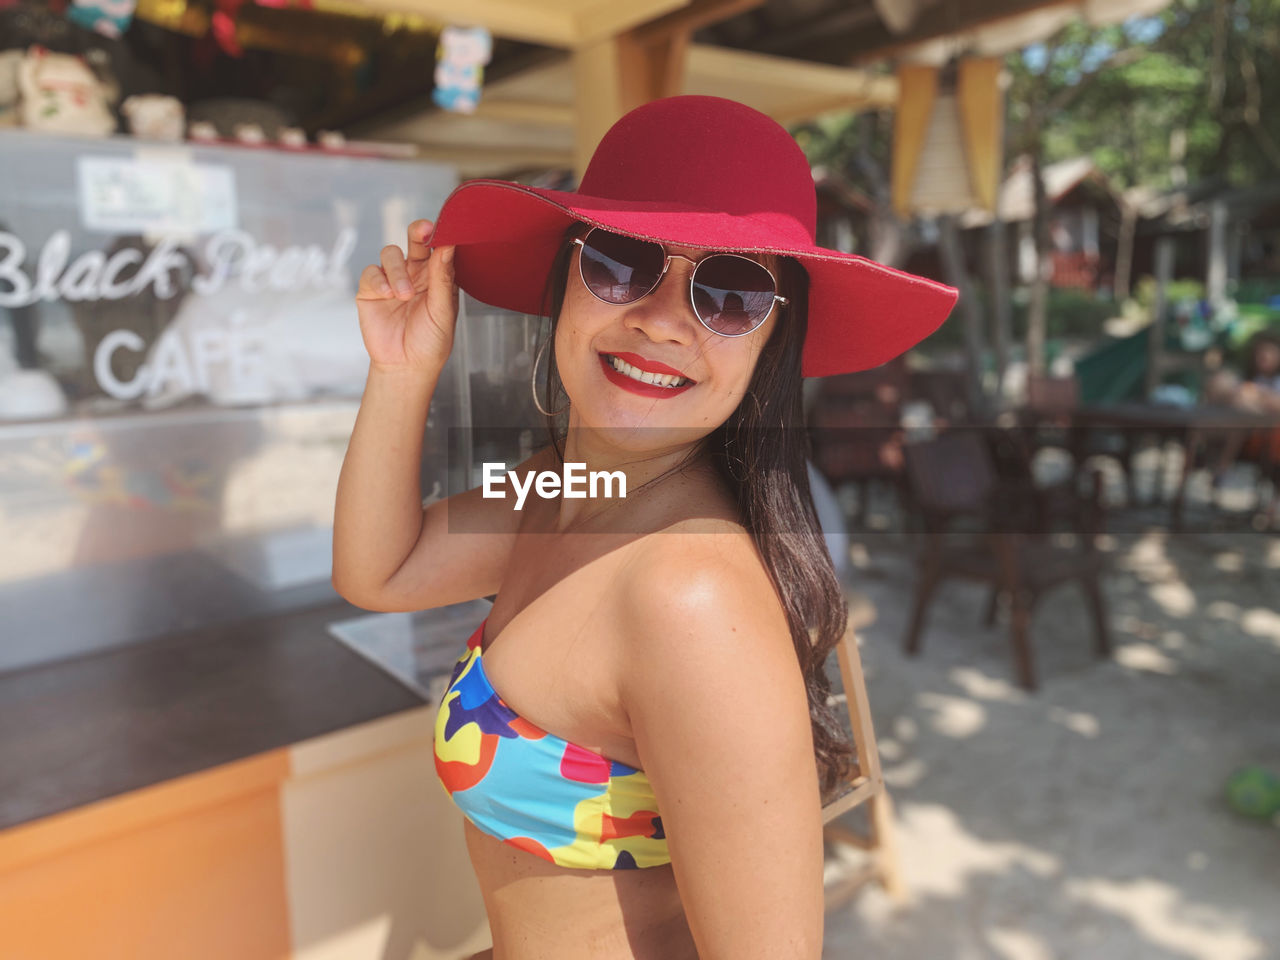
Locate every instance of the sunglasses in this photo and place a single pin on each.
(731, 294)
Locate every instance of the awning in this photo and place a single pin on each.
(527, 119)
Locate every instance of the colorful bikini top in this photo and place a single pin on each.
(535, 791)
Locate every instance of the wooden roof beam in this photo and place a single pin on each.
(982, 13)
(610, 19)
(691, 18)
(553, 23)
(819, 80)
(533, 112)
(653, 56)
(532, 23)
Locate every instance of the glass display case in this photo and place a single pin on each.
(180, 370)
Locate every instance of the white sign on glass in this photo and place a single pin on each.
(130, 195)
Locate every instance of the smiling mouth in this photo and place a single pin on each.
(635, 373)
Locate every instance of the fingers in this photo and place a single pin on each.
(419, 232)
(373, 284)
(397, 271)
(402, 277)
(442, 292)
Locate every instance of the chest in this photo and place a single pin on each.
(554, 651)
(551, 643)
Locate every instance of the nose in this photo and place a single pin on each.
(666, 313)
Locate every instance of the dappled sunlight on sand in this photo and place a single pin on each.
(1223, 610)
(1144, 656)
(1174, 598)
(958, 855)
(1230, 562)
(980, 686)
(953, 716)
(1164, 916)
(1085, 724)
(1012, 944)
(1261, 622)
(1084, 821)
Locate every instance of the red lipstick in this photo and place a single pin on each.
(639, 386)
(648, 366)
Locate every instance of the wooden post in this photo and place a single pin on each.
(998, 297)
(1124, 250)
(1216, 268)
(1235, 250)
(958, 276)
(597, 91)
(616, 74)
(1155, 343)
(997, 248)
(1038, 308)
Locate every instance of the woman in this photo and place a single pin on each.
(645, 784)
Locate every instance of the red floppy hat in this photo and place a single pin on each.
(704, 172)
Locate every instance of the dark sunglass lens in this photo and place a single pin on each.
(620, 269)
(732, 294)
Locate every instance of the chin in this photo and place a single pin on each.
(637, 429)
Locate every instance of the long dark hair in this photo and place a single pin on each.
(761, 452)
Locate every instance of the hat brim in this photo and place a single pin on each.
(861, 313)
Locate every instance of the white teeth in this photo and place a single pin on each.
(661, 379)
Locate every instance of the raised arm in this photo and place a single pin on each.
(720, 719)
(460, 552)
(389, 553)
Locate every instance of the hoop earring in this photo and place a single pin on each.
(533, 383)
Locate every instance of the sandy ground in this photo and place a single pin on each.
(1085, 821)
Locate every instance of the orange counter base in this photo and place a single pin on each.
(342, 847)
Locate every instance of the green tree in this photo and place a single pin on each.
(1189, 103)
(1176, 98)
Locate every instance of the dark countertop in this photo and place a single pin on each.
(84, 729)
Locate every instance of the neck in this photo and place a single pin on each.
(608, 450)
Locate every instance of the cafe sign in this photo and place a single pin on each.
(232, 262)
(231, 257)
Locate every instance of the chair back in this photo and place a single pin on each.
(864, 787)
(854, 424)
(946, 391)
(864, 776)
(887, 384)
(1052, 396)
(951, 474)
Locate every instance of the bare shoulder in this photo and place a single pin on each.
(717, 708)
(711, 552)
(703, 578)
